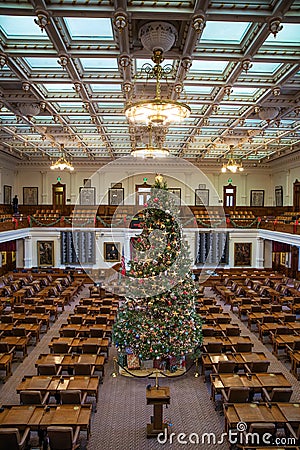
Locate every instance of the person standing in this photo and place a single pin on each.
(15, 203)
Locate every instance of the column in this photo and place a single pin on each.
(28, 252)
(72, 195)
(44, 188)
(287, 200)
(243, 189)
(268, 254)
(127, 254)
(259, 263)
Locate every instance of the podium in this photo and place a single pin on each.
(158, 397)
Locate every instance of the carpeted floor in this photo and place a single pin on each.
(122, 414)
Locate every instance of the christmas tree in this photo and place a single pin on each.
(158, 318)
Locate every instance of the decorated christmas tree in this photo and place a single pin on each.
(158, 320)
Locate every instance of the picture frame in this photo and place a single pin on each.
(257, 197)
(87, 195)
(116, 185)
(278, 196)
(177, 193)
(30, 195)
(112, 251)
(45, 251)
(87, 182)
(201, 197)
(242, 253)
(115, 196)
(7, 191)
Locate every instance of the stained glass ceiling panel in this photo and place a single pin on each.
(258, 67)
(224, 31)
(89, 28)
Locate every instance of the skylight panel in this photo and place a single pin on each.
(106, 87)
(198, 89)
(20, 26)
(288, 35)
(70, 104)
(224, 31)
(260, 67)
(99, 63)
(209, 66)
(248, 92)
(42, 63)
(89, 28)
(57, 87)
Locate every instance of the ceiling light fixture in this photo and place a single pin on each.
(149, 151)
(232, 165)
(157, 37)
(62, 163)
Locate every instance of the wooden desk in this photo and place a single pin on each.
(96, 361)
(49, 358)
(291, 412)
(37, 417)
(280, 342)
(211, 359)
(251, 413)
(255, 382)
(157, 397)
(295, 358)
(76, 343)
(216, 317)
(19, 342)
(5, 363)
(56, 384)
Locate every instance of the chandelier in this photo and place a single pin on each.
(150, 151)
(62, 163)
(232, 165)
(157, 37)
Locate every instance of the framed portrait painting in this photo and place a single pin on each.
(7, 194)
(112, 251)
(278, 196)
(177, 195)
(257, 197)
(115, 196)
(201, 197)
(87, 196)
(30, 195)
(45, 250)
(242, 253)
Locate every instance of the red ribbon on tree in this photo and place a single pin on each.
(15, 221)
(295, 225)
(95, 220)
(62, 219)
(227, 220)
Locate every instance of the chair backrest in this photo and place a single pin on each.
(214, 347)
(232, 331)
(238, 394)
(101, 320)
(259, 366)
(262, 428)
(282, 331)
(69, 332)
(289, 318)
(296, 345)
(90, 348)
(7, 319)
(76, 319)
(70, 397)
(82, 369)
(276, 308)
(4, 347)
(60, 347)
(225, 366)
(281, 395)
(243, 347)
(268, 319)
(9, 438)
(47, 369)
(97, 332)
(19, 332)
(81, 309)
(30, 398)
(60, 438)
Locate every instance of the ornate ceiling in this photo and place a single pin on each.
(68, 68)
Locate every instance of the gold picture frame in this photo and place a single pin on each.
(242, 253)
(112, 251)
(45, 250)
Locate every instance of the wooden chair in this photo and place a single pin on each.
(60, 347)
(33, 398)
(242, 347)
(277, 395)
(63, 438)
(257, 366)
(213, 347)
(224, 367)
(48, 369)
(72, 397)
(83, 369)
(11, 439)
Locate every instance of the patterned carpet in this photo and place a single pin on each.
(122, 413)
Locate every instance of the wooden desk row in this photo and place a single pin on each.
(76, 344)
(241, 359)
(68, 361)
(256, 381)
